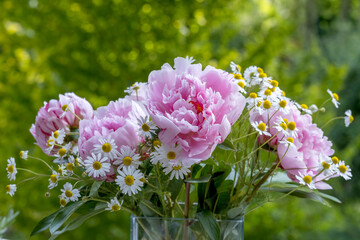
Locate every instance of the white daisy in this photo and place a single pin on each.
(24, 155)
(291, 129)
(97, 165)
(63, 201)
(65, 107)
(261, 128)
(288, 141)
(50, 143)
(313, 108)
(235, 68)
(326, 165)
(349, 118)
(70, 165)
(130, 180)
(306, 180)
(190, 59)
(146, 128)
(283, 106)
(107, 147)
(58, 136)
(128, 157)
(165, 153)
(344, 171)
(10, 189)
(135, 88)
(114, 205)
(53, 180)
(177, 169)
(281, 125)
(62, 170)
(62, 152)
(70, 193)
(11, 169)
(250, 74)
(334, 98)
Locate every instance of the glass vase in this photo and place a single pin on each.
(157, 228)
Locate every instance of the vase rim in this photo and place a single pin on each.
(183, 219)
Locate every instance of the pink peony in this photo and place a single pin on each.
(194, 108)
(51, 117)
(117, 121)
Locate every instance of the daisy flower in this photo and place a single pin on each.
(250, 74)
(114, 205)
(146, 128)
(62, 170)
(53, 180)
(165, 153)
(97, 165)
(71, 164)
(10, 189)
(127, 157)
(303, 107)
(235, 68)
(70, 193)
(58, 136)
(306, 180)
(177, 169)
(288, 141)
(334, 98)
(129, 180)
(281, 125)
(107, 147)
(348, 118)
(134, 88)
(63, 201)
(50, 143)
(190, 59)
(283, 106)
(62, 152)
(24, 155)
(261, 128)
(343, 170)
(291, 129)
(11, 169)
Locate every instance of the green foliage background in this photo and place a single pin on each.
(97, 48)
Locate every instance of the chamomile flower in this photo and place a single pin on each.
(303, 108)
(146, 128)
(23, 155)
(291, 129)
(58, 136)
(261, 128)
(306, 180)
(53, 180)
(281, 126)
(97, 165)
(70, 193)
(11, 169)
(63, 201)
(107, 148)
(165, 153)
(65, 108)
(289, 141)
(253, 100)
(10, 189)
(313, 108)
(134, 88)
(190, 59)
(250, 76)
(334, 98)
(127, 157)
(114, 205)
(343, 170)
(70, 165)
(50, 143)
(326, 165)
(177, 169)
(62, 152)
(235, 68)
(129, 180)
(348, 118)
(283, 106)
(62, 170)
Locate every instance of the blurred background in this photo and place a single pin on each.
(97, 48)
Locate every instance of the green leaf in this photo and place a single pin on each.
(94, 188)
(209, 224)
(44, 223)
(203, 179)
(327, 196)
(64, 215)
(236, 212)
(226, 145)
(174, 187)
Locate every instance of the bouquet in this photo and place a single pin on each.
(191, 143)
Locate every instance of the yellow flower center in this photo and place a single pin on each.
(156, 143)
(97, 165)
(60, 171)
(351, 118)
(129, 180)
(262, 75)
(262, 126)
(77, 162)
(283, 103)
(7, 188)
(335, 160)
(49, 142)
(304, 106)
(68, 193)
(260, 70)
(292, 126)
(143, 180)
(283, 125)
(11, 168)
(145, 127)
(336, 96)
(171, 155)
(106, 147)
(63, 202)
(325, 165)
(268, 92)
(290, 139)
(274, 83)
(253, 95)
(21, 154)
(56, 134)
(136, 88)
(115, 207)
(283, 93)
(273, 89)
(267, 104)
(342, 168)
(241, 84)
(307, 179)
(127, 161)
(70, 166)
(62, 152)
(237, 76)
(286, 121)
(176, 168)
(53, 178)
(259, 103)
(64, 107)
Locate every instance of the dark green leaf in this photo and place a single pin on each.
(209, 224)
(64, 215)
(226, 145)
(94, 188)
(174, 187)
(203, 179)
(44, 223)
